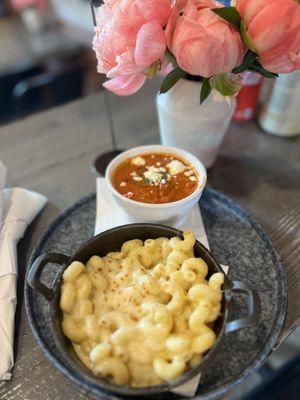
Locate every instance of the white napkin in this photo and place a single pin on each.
(2, 183)
(109, 215)
(19, 207)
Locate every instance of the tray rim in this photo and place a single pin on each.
(270, 342)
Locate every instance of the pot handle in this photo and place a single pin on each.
(254, 308)
(34, 273)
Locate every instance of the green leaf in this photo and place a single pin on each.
(205, 90)
(230, 14)
(225, 84)
(257, 67)
(248, 60)
(171, 58)
(146, 181)
(172, 78)
(245, 37)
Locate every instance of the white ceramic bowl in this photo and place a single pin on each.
(147, 212)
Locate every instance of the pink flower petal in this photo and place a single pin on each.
(274, 28)
(155, 10)
(126, 65)
(171, 24)
(166, 66)
(150, 44)
(125, 85)
(181, 4)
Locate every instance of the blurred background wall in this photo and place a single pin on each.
(47, 59)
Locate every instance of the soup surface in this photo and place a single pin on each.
(155, 178)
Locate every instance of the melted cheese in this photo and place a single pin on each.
(139, 315)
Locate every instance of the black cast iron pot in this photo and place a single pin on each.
(112, 240)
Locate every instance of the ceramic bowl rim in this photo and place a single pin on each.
(157, 149)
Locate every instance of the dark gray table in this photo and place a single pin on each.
(52, 154)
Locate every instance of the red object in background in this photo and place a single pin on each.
(246, 100)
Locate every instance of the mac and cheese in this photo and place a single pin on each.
(143, 315)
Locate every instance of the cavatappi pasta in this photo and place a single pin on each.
(143, 315)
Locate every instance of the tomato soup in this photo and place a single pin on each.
(155, 178)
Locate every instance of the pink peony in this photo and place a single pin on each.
(202, 42)
(130, 42)
(273, 31)
(181, 4)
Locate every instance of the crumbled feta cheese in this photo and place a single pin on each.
(189, 172)
(122, 184)
(156, 169)
(153, 177)
(133, 173)
(137, 178)
(156, 175)
(175, 167)
(138, 161)
(129, 195)
(192, 178)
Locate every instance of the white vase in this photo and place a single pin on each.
(184, 123)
